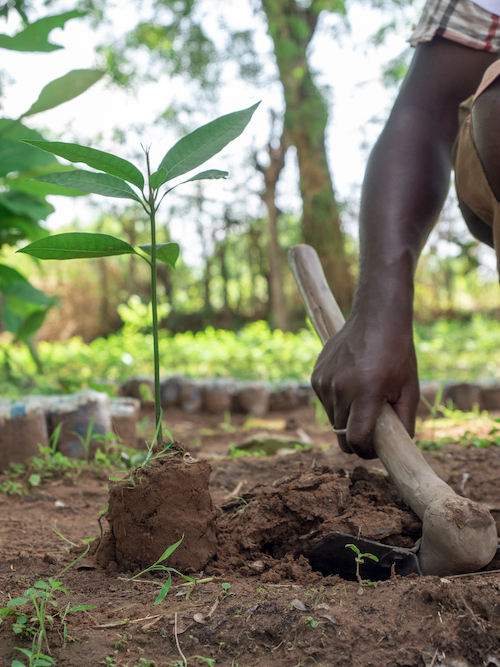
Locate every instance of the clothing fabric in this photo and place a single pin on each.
(471, 183)
(461, 21)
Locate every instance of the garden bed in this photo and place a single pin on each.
(259, 603)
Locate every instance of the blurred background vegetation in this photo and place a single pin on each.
(234, 310)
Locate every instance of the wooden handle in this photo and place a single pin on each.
(419, 485)
(415, 479)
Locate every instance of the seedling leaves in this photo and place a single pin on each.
(156, 179)
(209, 174)
(205, 142)
(35, 36)
(63, 89)
(164, 591)
(170, 550)
(111, 164)
(166, 252)
(88, 181)
(77, 245)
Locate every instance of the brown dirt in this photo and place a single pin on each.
(277, 611)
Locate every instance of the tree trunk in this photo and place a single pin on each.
(292, 27)
(268, 195)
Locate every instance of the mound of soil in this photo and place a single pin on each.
(160, 504)
(281, 521)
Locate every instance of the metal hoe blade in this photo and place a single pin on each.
(329, 555)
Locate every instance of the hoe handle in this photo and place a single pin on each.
(458, 534)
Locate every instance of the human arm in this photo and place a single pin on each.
(372, 360)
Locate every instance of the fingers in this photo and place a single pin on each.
(406, 409)
(363, 415)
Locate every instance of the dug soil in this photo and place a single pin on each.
(258, 601)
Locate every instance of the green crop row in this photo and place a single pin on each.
(447, 351)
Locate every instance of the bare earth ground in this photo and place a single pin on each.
(277, 611)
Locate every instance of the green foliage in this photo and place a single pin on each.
(187, 154)
(37, 611)
(34, 37)
(22, 207)
(458, 350)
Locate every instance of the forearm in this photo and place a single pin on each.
(408, 172)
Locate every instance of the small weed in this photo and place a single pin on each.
(46, 613)
(109, 661)
(235, 453)
(310, 621)
(226, 424)
(158, 567)
(121, 642)
(360, 559)
(225, 590)
(35, 658)
(11, 488)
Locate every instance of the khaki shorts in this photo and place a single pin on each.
(470, 180)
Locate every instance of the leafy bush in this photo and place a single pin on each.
(447, 350)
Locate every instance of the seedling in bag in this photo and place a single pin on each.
(119, 178)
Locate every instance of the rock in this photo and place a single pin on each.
(267, 443)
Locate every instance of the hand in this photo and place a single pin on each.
(367, 364)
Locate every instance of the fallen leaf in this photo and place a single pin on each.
(297, 604)
(332, 619)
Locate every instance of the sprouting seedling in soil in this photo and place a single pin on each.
(158, 567)
(360, 559)
(46, 610)
(119, 175)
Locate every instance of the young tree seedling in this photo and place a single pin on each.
(360, 559)
(115, 178)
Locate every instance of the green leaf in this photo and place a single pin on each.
(77, 245)
(164, 590)
(17, 157)
(21, 204)
(111, 164)
(30, 324)
(25, 183)
(16, 602)
(88, 181)
(170, 550)
(8, 275)
(156, 179)
(205, 142)
(210, 174)
(166, 252)
(82, 607)
(35, 36)
(22, 289)
(63, 89)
